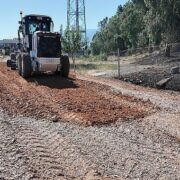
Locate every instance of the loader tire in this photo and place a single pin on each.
(26, 68)
(13, 56)
(19, 64)
(8, 63)
(65, 66)
(13, 68)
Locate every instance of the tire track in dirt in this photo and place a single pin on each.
(48, 154)
(13, 163)
(35, 149)
(39, 152)
(76, 167)
(61, 150)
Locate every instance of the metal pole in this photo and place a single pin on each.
(77, 15)
(68, 15)
(74, 64)
(119, 65)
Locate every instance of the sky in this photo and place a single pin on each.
(96, 10)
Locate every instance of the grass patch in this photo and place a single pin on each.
(87, 66)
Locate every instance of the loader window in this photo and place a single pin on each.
(44, 27)
(34, 25)
(32, 28)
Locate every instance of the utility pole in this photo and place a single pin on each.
(119, 64)
(76, 17)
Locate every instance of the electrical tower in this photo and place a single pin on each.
(76, 16)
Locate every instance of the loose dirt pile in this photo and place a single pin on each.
(57, 98)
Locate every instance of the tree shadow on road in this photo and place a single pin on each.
(53, 81)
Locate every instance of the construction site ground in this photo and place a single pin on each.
(86, 127)
(154, 68)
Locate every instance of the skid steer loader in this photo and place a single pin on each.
(39, 48)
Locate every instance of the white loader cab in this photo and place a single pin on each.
(41, 48)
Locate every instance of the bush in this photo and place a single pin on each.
(131, 51)
(103, 57)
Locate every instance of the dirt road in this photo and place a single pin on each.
(86, 128)
(63, 99)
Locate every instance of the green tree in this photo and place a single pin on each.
(139, 23)
(71, 42)
(61, 30)
(102, 24)
(131, 24)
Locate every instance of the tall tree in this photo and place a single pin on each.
(71, 42)
(139, 23)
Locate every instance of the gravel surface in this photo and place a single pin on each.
(128, 150)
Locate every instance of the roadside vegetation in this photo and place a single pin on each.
(93, 63)
(139, 23)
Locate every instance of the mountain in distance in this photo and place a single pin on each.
(90, 34)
